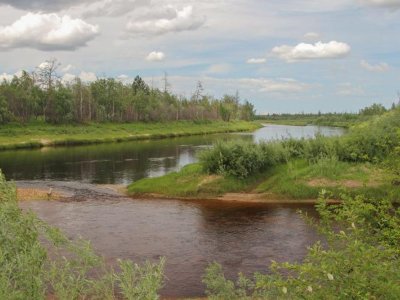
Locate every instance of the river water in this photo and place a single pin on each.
(242, 237)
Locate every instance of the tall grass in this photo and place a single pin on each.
(373, 141)
(62, 268)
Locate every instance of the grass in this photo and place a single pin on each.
(300, 180)
(35, 135)
(295, 180)
(192, 182)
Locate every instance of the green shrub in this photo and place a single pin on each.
(241, 159)
(72, 271)
(359, 260)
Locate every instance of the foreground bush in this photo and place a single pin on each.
(65, 269)
(359, 260)
(241, 159)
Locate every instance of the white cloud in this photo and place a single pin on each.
(318, 50)
(6, 77)
(219, 69)
(256, 60)
(67, 68)
(9, 77)
(84, 76)
(282, 85)
(247, 86)
(312, 36)
(123, 77)
(87, 76)
(383, 3)
(169, 20)
(155, 56)
(68, 77)
(381, 67)
(47, 32)
(113, 8)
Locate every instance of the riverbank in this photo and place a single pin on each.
(332, 120)
(37, 135)
(294, 182)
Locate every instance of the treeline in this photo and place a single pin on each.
(42, 95)
(328, 119)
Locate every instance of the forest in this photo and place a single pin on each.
(42, 95)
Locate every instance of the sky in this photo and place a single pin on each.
(281, 55)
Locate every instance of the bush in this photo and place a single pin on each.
(241, 159)
(372, 141)
(360, 259)
(73, 271)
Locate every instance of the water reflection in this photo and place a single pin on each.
(242, 237)
(129, 161)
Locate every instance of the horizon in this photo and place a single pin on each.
(283, 56)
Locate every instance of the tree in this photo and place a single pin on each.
(139, 85)
(47, 78)
(5, 114)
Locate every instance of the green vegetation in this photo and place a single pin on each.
(192, 181)
(38, 134)
(365, 160)
(345, 120)
(359, 260)
(37, 261)
(43, 96)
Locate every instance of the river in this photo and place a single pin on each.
(190, 234)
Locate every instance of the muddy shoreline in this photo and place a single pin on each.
(67, 191)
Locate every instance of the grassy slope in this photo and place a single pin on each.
(296, 180)
(39, 134)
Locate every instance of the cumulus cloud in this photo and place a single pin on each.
(165, 21)
(9, 77)
(319, 50)
(256, 60)
(155, 56)
(381, 67)
(6, 77)
(48, 32)
(43, 5)
(84, 76)
(113, 8)
(383, 3)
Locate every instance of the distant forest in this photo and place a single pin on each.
(42, 95)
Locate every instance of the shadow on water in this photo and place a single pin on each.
(242, 237)
(125, 162)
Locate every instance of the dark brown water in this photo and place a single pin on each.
(242, 237)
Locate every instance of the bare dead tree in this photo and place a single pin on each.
(46, 75)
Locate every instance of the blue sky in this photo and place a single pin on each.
(283, 56)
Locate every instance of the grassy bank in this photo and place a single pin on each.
(36, 135)
(364, 161)
(296, 180)
(344, 121)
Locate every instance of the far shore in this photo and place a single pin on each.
(39, 135)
